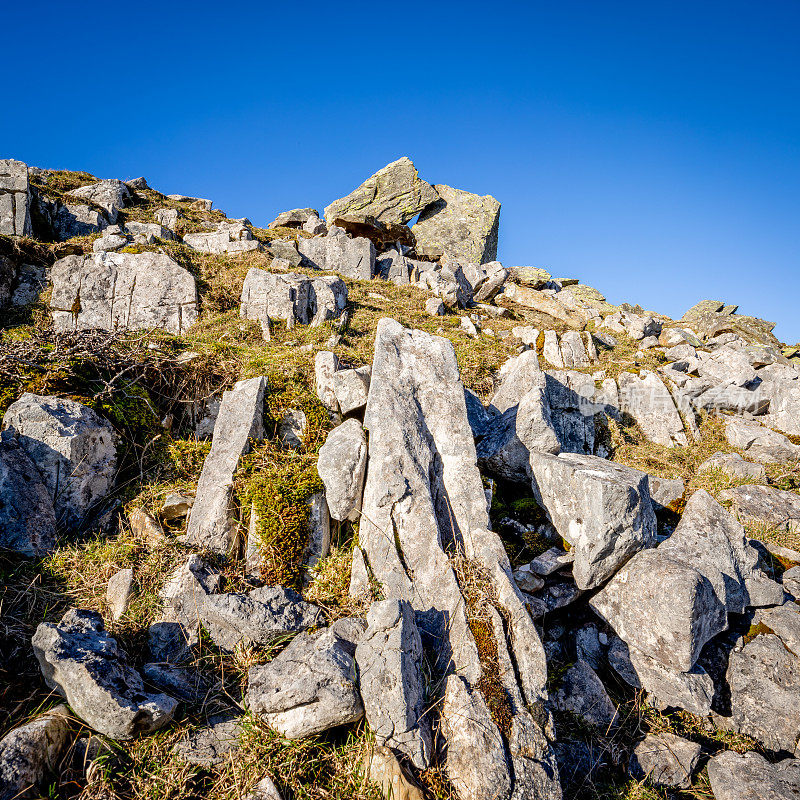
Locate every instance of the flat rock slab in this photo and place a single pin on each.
(72, 447)
(239, 422)
(601, 508)
(84, 664)
(665, 760)
(262, 616)
(734, 465)
(212, 745)
(341, 464)
(308, 688)
(765, 504)
(122, 291)
(749, 776)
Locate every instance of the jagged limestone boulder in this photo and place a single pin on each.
(765, 505)
(395, 193)
(646, 398)
(15, 215)
(296, 218)
(272, 295)
(665, 759)
(341, 465)
(240, 421)
(229, 237)
(72, 447)
(458, 224)
(337, 252)
(749, 776)
(122, 291)
(84, 664)
(111, 195)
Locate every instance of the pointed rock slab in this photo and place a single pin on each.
(665, 759)
(382, 768)
(389, 660)
(122, 291)
(341, 465)
(262, 616)
(84, 664)
(649, 402)
(571, 397)
(173, 638)
(711, 541)
(309, 687)
(765, 504)
(518, 376)
(240, 420)
(601, 508)
(325, 365)
(476, 760)
(32, 751)
(394, 194)
(27, 518)
(72, 447)
(749, 776)
(665, 609)
(459, 224)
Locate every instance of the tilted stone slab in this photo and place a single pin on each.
(341, 465)
(240, 420)
(15, 215)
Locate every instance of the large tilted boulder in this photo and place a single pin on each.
(389, 660)
(259, 617)
(240, 421)
(459, 224)
(15, 214)
(309, 687)
(122, 291)
(27, 518)
(32, 751)
(395, 193)
(84, 664)
(337, 252)
(601, 508)
(749, 776)
(72, 447)
(341, 464)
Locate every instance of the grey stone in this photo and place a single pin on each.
(587, 645)
(268, 295)
(84, 664)
(337, 252)
(665, 609)
(765, 505)
(583, 694)
(516, 378)
(341, 465)
(394, 194)
(784, 622)
(200, 201)
(459, 224)
(265, 789)
(27, 518)
(110, 195)
(325, 365)
(167, 217)
(149, 231)
(315, 226)
(292, 428)
(553, 597)
(212, 745)
(62, 221)
(296, 218)
(791, 581)
(602, 509)
(710, 540)
(734, 465)
(284, 250)
(262, 616)
(230, 237)
(177, 632)
(434, 307)
(119, 592)
(573, 351)
(389, 660)
(308, 688)
(176, 506)
(241, 419)
(476, 763)
(666, 492)
(15, 216)
(29, 753)
(29, 283)
(359, 588)
(185, 683)
(491, 287)
(760, 443)
(129, 291)
(665, 760)
(319, 538)
(72, 447)
(327, 299)
(551, 560)
(749, 776)
(351, 387)
(109, 242)
(382, 768)
(649, 402)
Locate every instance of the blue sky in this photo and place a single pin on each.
(650, 149)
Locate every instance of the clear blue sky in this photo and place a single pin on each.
(651, 149)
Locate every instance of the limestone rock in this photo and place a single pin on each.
(749, 776)
(327, 299)
(111, 195)
(296, 218)
(571, 397)
(665, 760)
(325, 365)
(602, 509)
(583, 693)
(548, 310)
(382, 768)
(765, 504)
(230, 237)
(185, 683)
(72, 447)
(309, 687)
(389, 659)
(33, 750)
(292, 428)
(129, 291)
(351, 387)
(395, 193)
(341, 465)
(337, 252)
(359, 588)
(259, 617)
(666, 492)
(268, 295)
(434, 307)
(240, 420)
(15, 215)
(176, 506)
(458, 224)
(650, 403)
(84, 664)
(760, 443)
(734, 465)
(27, 518)
(211, 745)
(201, 202)
(167, 217)
(119, 592)
(517, 377)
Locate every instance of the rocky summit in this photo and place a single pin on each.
(343, 507)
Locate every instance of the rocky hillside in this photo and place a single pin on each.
(345, 508)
